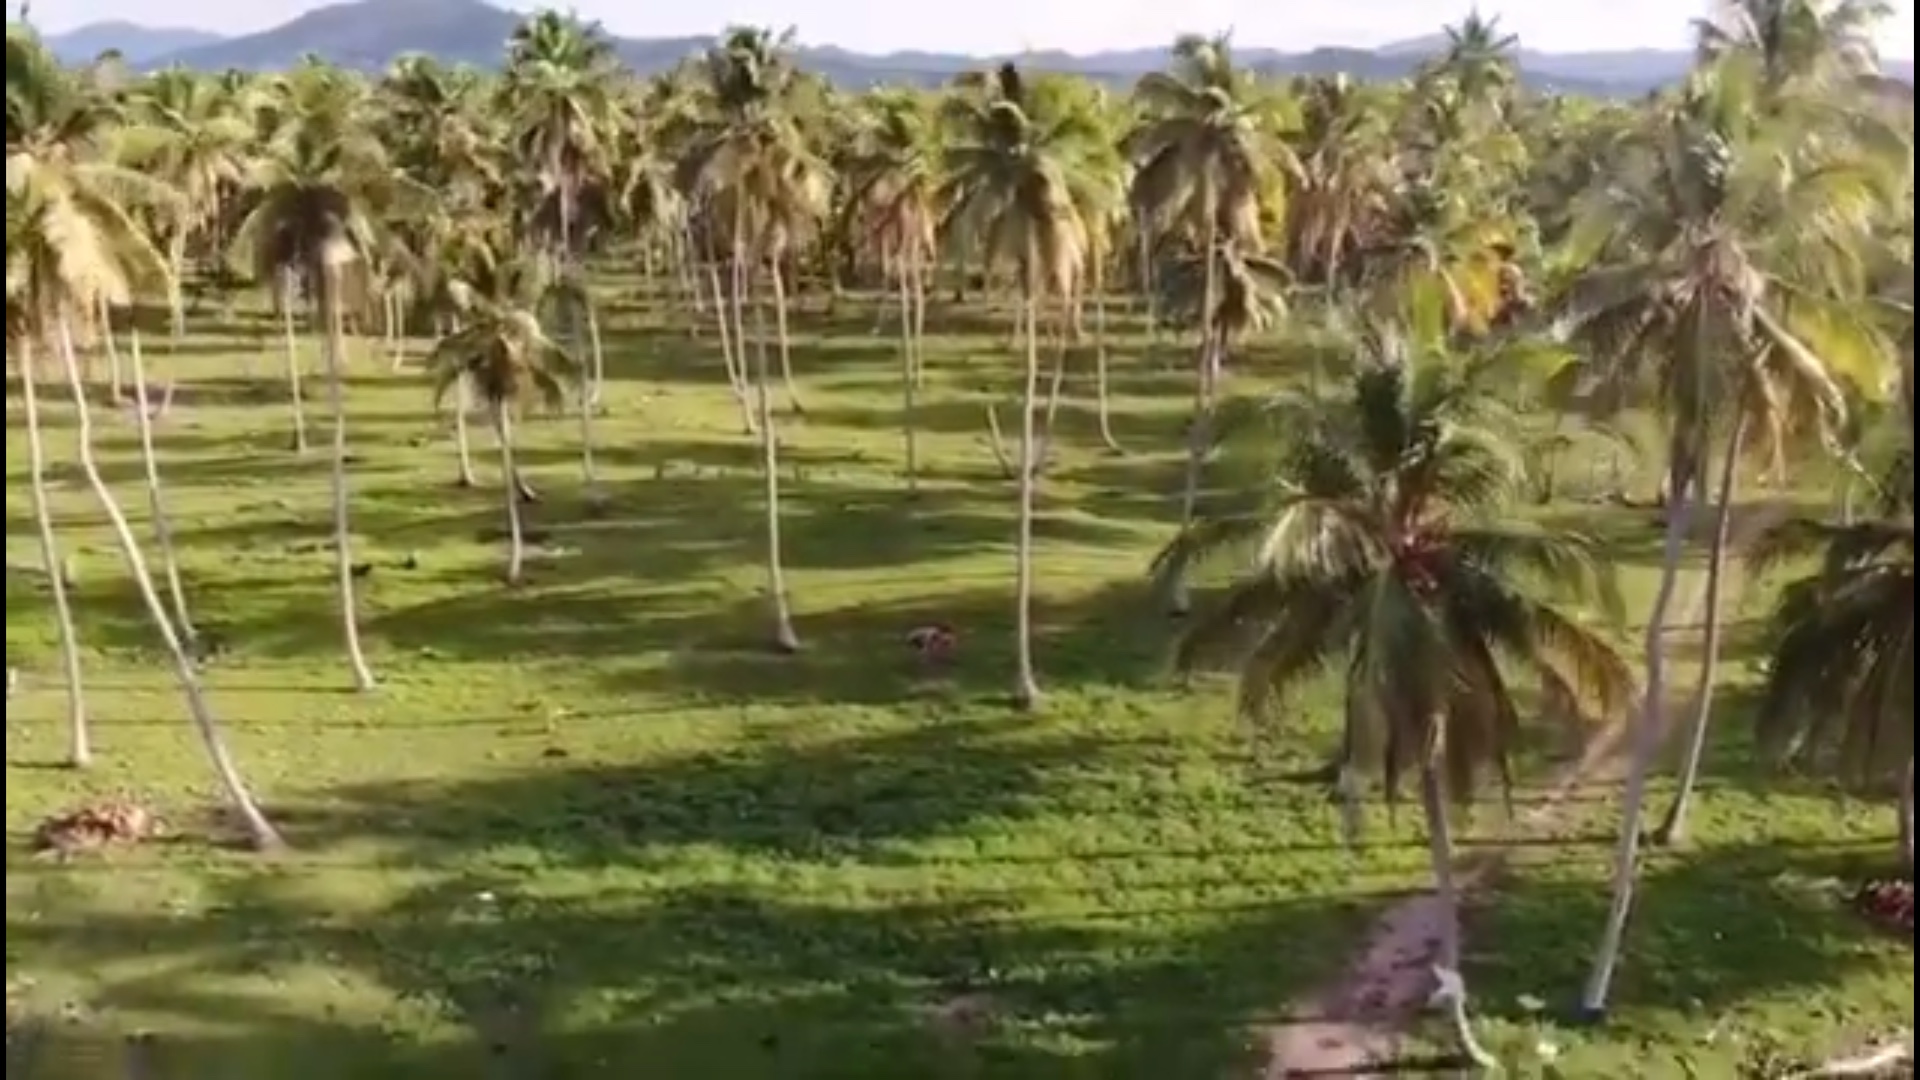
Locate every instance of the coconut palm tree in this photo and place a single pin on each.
(1722, 279)
(1839, 686)
(1378, 551)
(503, 355)
(1202, 155)
(1010, 200)
(310, 223)
(1795, 40)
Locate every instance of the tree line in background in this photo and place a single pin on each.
(1733, 255)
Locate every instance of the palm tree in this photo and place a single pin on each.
(748, 165)
(894, 180)
(156, 503)
(1479, 59)
(309, 223)
(1840, 671)
(1378, 552)
(1721, 281)
(1202, 155)
(501, 352)
(1010, 199)
(1796, 41)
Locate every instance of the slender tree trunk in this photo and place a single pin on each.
(1673, 829)
(1103, 396)
(462, 446)
(177, 264)
(116, 381)
(516, 541)
(596, 348)
(1433, 802)
(1026, 686)
(919, 321)
(335, 344)
(1180, 600)
(736, 304)
(1056, 389)
(1906, 818)
(1647, 730)
(909, 417)
(786, 340)
(293, 363)
(79, 734)
(259, 829)
(589, 399)
(736, 381)
(784, 638)
(162, 523)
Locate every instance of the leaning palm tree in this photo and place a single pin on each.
(501, 352)
(1379, 552)
(1723, 279)
(1839, 687)
(309, 224)
(1010, 199)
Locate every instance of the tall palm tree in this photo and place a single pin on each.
(1010, 199)
(1795, 40)
(895, 183)
(748, 165)
(1479, 59)
(1202, 153)
(1721, 278)
(1378, 551)
(310, 223)
(501, 352)
(1840, 671)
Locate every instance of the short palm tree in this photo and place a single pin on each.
(504, 356)
(1377, 553)
(1840, 675)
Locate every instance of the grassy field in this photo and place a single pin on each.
(590, 828)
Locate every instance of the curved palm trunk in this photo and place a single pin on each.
(335, 344)
(1673, 828)
(1102, 390)
(116, 384)
(79, 735)
(919, 321)
(784, 638)
(462, 445)
(1179, 600)
(786, 340)
(732, 353)
(1026, 687)
(589, 399)
(293, 363)
(259, 829)
(1433, 802)
(1646, 737)
(909, 380)
(162, 523)
(516, 542)
(1906, 818)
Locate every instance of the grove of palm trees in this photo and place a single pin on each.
(555, 572)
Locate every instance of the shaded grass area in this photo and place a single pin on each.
(592, 826)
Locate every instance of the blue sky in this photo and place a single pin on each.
(1009, 25)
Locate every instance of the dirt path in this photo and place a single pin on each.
(1358, 1022)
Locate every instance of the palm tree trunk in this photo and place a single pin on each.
(462, 446)
(1180, 601)
(1646, 736)
(177, 265)
(737, 306)
(919, 321)
(786, 339)
(1433, 802)
(909, 418)
(1026, 687)
(116, 383)
(1906, 818)
(335, 344)
(259, 829)
(736, 381)
(1673, 828)
(1103, 397)
(784, 638)
(589, 397)
(596, 349)
(79, 736)
(162, 523)
(293, 362)
(516, 542)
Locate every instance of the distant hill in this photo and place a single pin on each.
(370, 34)
(136, 44)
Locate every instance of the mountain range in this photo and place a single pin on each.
(370, 34)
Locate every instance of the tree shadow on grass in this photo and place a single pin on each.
(709, 980)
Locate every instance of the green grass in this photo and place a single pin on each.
(592, 828)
